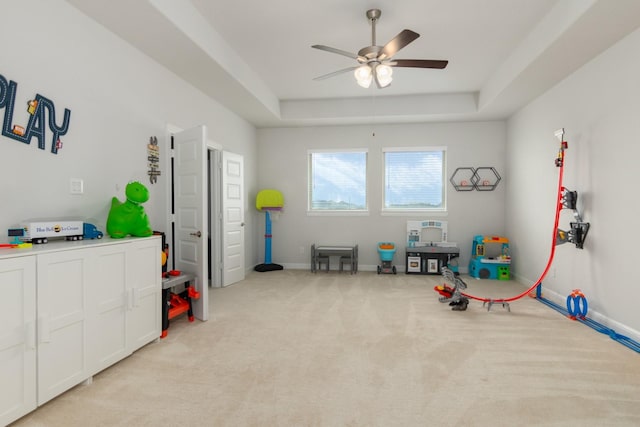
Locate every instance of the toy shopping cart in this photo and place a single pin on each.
(386, 251)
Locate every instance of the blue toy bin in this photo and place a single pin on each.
(386, 250)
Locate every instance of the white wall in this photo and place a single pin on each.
(283, 166)
(118, 98)
(599, 107)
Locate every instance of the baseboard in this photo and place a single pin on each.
(361, 267)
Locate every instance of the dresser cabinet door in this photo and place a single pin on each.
(62, 321)
(144, 322)
(107, 294)
(17, 337)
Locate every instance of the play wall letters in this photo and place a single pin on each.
(36, 127)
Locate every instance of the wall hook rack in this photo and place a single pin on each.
(579, 229)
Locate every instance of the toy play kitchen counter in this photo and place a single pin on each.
(428, 249)
(430, 259)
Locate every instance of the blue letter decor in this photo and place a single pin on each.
(37, 125)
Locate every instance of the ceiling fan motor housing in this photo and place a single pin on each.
(370, 52)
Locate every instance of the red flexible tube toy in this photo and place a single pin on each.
(560, 164)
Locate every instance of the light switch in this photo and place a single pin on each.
(76, 186)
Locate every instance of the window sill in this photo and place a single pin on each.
(338, 213)
(416, 212)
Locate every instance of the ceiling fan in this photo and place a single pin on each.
(375, 62)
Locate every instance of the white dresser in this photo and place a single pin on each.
(69, 310)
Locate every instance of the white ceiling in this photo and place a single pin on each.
(255, 56)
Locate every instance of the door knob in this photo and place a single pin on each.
(198, 234)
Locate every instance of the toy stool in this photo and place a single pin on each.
(348, 261)
(323, 260)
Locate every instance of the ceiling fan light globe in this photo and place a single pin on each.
(363, 76)
(384, 73)
(365, 83)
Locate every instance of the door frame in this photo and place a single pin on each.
(214, 162)
(233, 218)
(215, 205)
(214, 150)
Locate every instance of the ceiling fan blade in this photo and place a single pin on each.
(339, 52)
(335, 73)
(419, 63)
(398, 42)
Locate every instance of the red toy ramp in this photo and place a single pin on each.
(560, 164)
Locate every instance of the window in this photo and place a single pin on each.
(338, 181)
(414, 179)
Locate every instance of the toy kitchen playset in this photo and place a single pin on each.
(428, 249)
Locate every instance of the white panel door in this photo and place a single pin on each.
(144, 287)
(62, 321)
(17, 338)
(232, 218)
(191, 215)
(107, 302)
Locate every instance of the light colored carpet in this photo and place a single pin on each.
(292, 348)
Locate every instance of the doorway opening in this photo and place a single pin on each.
(206, 212)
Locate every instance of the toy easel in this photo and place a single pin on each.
(270, 202)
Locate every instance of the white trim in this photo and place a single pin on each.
(338, 213)
(214, 145)
(402, 149)
(338, 150)
(414, 212)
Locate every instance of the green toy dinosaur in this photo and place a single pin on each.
(129, 217)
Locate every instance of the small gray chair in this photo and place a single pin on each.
(323, 260)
